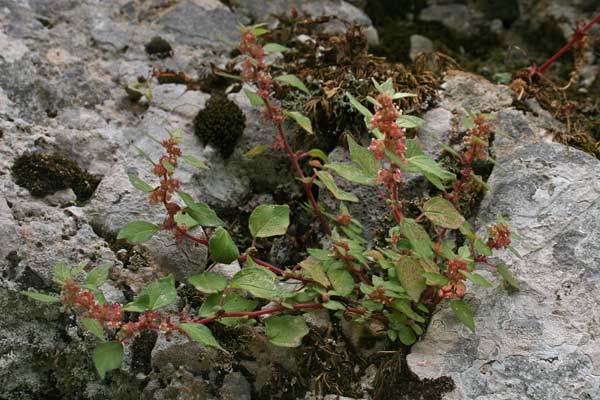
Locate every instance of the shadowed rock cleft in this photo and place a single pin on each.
(159, 47)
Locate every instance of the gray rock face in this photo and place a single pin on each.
(541, 342)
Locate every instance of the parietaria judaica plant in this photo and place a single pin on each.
(397, 284)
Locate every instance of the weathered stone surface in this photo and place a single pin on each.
(541, 342)
(464, 91)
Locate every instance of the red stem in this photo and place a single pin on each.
(579, 33)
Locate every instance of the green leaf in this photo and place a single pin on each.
(138, 231)
(194, 162)
(410, 275)
(286, 330)
(406, 335)
(404, 307)
(427, 165)
(233, 303)
(168, 166)
(201, 212)
(255, 99)
(417, 236)
(399, 95)
(259, 31)
(255, 151)
(157, 295)
(184, 218)
(359, 107)
(269, 220)
(61, 273)
(316, 153)
(293, 80)
(94, 327)
(338, 193)
(301, 120)
(410, 121)
(107, 356)
(334, 305)
(364, 157)
(208, 282)
(98, 275)
(507, 276)
(352, 173)
(342, 281)
(435, 278)
(44, 298)
(201, 334)
(275, 48)
(477, 279)
(463, 312)
(442, 213)
(315, 270)
(222, 248)
(230, 76)
(140, 184)
(482, 248)
(258, 282)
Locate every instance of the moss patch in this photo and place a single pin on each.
(43, 174)
(221, 123)
(159, 47)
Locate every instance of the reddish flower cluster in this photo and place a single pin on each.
(499, 236)
(168, 184)
(109, 315)
(476, 140)
(456, 287)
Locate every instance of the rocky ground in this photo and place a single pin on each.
(63, 68)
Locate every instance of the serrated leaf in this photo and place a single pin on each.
(94, 327)
(139, 184)
(315, 270)
(138, 231)
(44, 298)
(255, 99)
(342, 281)
(442, 213)
(293, 80)
(98, 275)
(258, 282)
(208, 282)
(201, 334)
(410, 275)
(269, 220)
(301, 120)
(463, 312)
(286, 330)
(275, 48)
(326, 178)
(417, 236)
(507, 276)
(194, 162)
(107, 356)
(222, 248)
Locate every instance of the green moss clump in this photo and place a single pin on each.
(43, 174)
(159, 47)
(221, 123)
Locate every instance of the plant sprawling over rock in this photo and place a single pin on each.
(423, 261)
